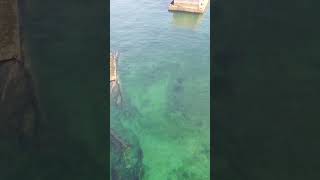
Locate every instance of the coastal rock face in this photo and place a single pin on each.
(18, 108)
(115, 91)
(126, 153)
(9, 30)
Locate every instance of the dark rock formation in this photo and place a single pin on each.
(18, 106)
(126, 158)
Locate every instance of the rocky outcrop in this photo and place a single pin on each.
(126, 153)
(115, 91)
(9, 30)
(126, 156)
(18, 106)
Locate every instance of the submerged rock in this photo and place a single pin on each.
(126, 153)
(126, 157)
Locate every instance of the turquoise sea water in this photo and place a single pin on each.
(164, 69)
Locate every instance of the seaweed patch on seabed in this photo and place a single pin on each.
(175, 96)
(176, 84)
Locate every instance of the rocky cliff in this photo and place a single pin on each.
(18, 106)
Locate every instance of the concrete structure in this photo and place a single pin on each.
(193, 6)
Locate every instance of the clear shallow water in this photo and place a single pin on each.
(165, 78)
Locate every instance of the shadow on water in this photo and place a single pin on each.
(186, 20)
